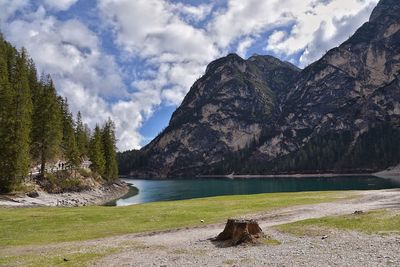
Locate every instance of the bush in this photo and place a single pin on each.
(62, 181)
(85, 172)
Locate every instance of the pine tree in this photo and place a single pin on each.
(96, 152)
(109, 148)
(36, 126)
(15, 116)
(81, 136)
(6, 96)
(47, 130)
(68, 145)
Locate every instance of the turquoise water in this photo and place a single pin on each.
(177, 189)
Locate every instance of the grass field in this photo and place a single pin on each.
(29, 226)
(56, 258)
(375, 222)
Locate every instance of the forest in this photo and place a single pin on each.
(40, 138)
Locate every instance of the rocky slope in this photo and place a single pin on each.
(262, 115)
(352, 89)
(224, 111)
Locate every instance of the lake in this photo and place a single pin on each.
(177, 189)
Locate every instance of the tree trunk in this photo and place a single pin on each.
(240, 231)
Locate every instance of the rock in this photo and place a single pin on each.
(202, 221)
(33, 194)
(358, 212)
(324, 237)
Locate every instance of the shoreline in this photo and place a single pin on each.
(382, 174)
(97, 196)
(297, 175)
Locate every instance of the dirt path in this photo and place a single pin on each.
(191, 247)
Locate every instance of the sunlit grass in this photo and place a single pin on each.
(24, 226)
(56, 258)
(375, 222)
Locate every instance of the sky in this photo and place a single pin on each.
(134, 60)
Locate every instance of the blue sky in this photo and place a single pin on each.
(134, 60)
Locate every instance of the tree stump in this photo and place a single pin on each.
(238, 231)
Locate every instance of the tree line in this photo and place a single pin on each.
(376, 149)
(37, 128)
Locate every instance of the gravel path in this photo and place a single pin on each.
(191, 247)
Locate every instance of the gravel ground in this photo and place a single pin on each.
(339, 249)
(192, 247)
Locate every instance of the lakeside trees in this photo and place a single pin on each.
(37, 128)
(46, 129)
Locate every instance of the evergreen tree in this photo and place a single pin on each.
(82, 139)
(47, 130)
(96, 152)
(109, 148)
(6, 96)
(36, 126)
(69, 147)
(15, 117)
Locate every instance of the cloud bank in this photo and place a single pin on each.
(122, 59)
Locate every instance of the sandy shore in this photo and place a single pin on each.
(96, 196)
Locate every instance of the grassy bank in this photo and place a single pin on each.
(375, 222)
(24, 226)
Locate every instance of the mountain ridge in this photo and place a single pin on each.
(263, 115)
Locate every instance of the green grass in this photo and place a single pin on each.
(25, 226)
(56, 258)
(376, 222)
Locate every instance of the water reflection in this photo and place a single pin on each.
(163, 190)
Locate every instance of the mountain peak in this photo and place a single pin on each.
(263, 115)
(228, 59)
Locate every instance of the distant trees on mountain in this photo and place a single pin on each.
(376, 149)
(131, 160)
(37, 128)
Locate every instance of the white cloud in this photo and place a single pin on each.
(192, 13)
(163, 34)
(244, 18)
(8, 8)
(178, 50)
(83, 73)
(61, 5)
(319, 26)
(344, 27)
(276, 38)
(244, 45)
(166, 37)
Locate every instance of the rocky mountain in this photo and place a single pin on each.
(262, 115)
(224, 111)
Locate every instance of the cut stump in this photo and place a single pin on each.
(239, 231)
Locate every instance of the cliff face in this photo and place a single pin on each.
(263, 115)
(351, 88)
(224, 111)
